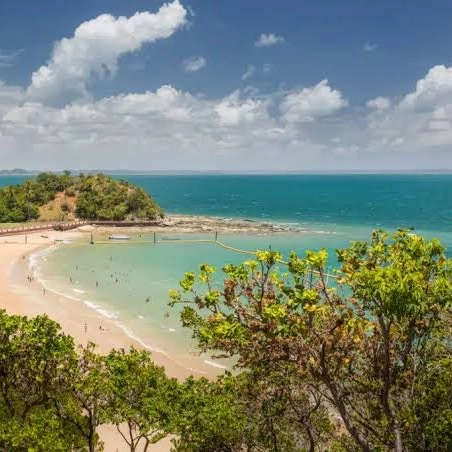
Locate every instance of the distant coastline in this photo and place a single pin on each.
(263, 172)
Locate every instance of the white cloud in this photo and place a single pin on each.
(268, 40)
(234, 110)
(368, 47)
(96, 48)
(267, 67)
(10, 97)
(422, 119)
(194, 64)
(8, 59)
(379, 103)
(161, 129)
(310, 103)
(434, 89)
(166, 102)
(247, 129)
(250, 71)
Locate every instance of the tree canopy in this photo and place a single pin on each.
(63, 196)
(363, 350)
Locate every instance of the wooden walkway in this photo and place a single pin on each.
(67, 225)
(58, 226)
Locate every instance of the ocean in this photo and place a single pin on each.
(129, 283)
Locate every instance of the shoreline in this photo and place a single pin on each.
(19, 296)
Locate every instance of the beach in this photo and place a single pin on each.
(20, 296)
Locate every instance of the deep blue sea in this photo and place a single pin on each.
(372, 200)
(328, 211)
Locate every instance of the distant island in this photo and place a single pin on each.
(13, 172)
(51, 197)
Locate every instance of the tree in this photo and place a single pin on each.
(208, 417)
(35, 357)
(141, 398)
(360, 348)
(89, 387)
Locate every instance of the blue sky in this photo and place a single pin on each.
(121, 94)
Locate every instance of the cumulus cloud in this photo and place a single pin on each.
(233, 110)
(268, 40)
(421, 120)
(96, 48)
(172, 129)
(250, 71)
(433, 90)
(194, 64)
(166, 102)
(166, 128)
(379, 103)
(308, 104)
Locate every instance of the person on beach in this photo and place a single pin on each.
(86, 327)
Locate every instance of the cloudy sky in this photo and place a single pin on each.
(226, 85)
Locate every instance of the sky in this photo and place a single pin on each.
(237, 85)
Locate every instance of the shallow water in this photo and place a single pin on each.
(117, 279)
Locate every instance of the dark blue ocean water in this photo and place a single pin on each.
(370, 201)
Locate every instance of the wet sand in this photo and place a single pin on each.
(20, 296)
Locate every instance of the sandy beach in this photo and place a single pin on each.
(19, 296)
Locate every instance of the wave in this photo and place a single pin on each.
(102, 311)
(139, 340)
(213, 364)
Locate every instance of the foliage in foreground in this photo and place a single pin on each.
(370, 355)
(54, 396)
(63, 196)
(363, 365)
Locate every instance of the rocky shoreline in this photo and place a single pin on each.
(195, 223)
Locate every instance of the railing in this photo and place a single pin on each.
(60, 225)
(67, 225)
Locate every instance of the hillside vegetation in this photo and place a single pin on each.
(65, 197)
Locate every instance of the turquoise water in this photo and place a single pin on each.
(393, 200)
(330, 209)
(421, 201)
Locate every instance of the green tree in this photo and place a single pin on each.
(359, 348)
(141, 398)
(34, 359)
(89, 388)
(208, 417)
